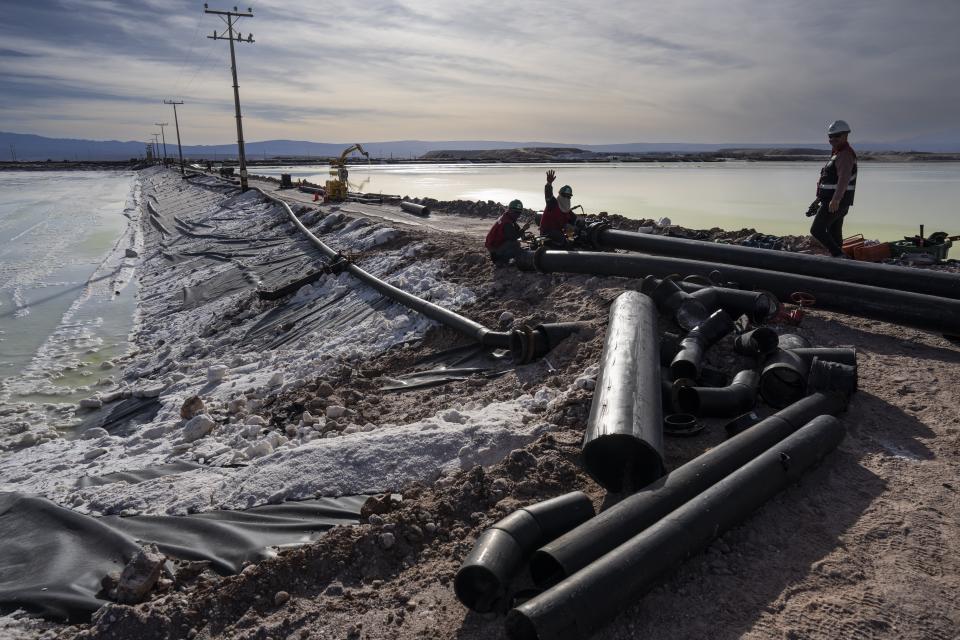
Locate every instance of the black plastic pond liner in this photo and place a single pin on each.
(906, 308)
(578, 548)
(592, 597)
(138, 475)
(54, 558)
(723, 402)
(483, 580)
(122, 417)
(687, 362)
(623, 441)
(934, 283)
(756, 342)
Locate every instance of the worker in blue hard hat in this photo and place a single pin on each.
(835, 190)
(558, 215)
(503, 239)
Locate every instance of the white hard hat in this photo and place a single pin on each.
(838, 126)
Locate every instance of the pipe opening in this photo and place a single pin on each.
(621, 462)
(520, 627)
(545, 570)
(477, 587)
(687, 401)
(782, 385)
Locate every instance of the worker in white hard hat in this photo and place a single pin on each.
(835, 189)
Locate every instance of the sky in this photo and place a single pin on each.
(590, 72)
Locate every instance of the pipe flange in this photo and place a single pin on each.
(681, 425)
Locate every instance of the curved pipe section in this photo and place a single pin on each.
(687, 363)
(934, 283)
(575, 550)
(758, 342)
(518, 341)
(591, 598)
(720, 402)
(922, 311)
(481, 583)
(623, 442)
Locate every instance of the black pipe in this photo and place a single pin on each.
(703, 299)
(783, 378)
(934, 283)
(792, 341)
(516, 340)
(741, 423)
(757, 342)
(825, 375)
(687, 362)
(578, 548)
(481, 583)
(527, 344)
(414, 208)
(725, 402)
(593, 597)
(842, 355)
(623, 442)
(899, 307)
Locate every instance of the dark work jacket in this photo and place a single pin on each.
(553, 220)
(504, 230)
(829, 177)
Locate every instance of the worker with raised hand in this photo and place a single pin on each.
(503, 239)
(835, 190)
(558, 215)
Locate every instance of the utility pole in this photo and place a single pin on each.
(176, 123)
(230, 18)
(13, 152)
(156, 146)
(164, 138)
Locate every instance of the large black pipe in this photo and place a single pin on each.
(695, 300)
(720, 402)
(899, 307)
(785, 372)
(623, 442)
(592, 597)
(578, 548)
(482, 582)
(934, 283)
(843, 355)
(517, 341)
(686, 364)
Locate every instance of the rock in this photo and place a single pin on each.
(333, 589)
(94, 432)
(150, 392)
(336, 411)
(197, 427)
(216, 373)
(324, 389)
(276, 379)
(291, 431)
(506, 319)
(154, 433)
(237, 405)
(280, 598)
(259, 449)
(257, 420)
(387, 540)
(131, 253)
(91, 403)
(140, 574)
(94, 453)
(106, 364)
(192, 407)
(309, 418)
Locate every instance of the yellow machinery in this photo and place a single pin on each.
(337, 188)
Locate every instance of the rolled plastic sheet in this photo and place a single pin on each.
(592, 597)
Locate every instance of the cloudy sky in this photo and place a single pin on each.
(592, 71)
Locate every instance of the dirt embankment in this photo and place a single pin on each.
(861, 548)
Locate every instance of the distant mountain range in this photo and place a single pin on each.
(29, 147)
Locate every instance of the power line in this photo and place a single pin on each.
(164, 138)
(230, 17)
(176, 123)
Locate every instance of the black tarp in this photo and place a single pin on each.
(54, 558)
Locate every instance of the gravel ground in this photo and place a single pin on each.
(863, 547)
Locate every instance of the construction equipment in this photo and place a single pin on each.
(337, 187)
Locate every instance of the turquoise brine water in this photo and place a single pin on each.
(66, 298)
(893, 199)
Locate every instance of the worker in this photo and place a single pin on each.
(503, 239)
(835, 190)
(558, 216)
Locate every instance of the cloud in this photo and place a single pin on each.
(579, 71)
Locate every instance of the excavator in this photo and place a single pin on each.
(337, 187)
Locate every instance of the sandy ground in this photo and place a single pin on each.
(864, 547)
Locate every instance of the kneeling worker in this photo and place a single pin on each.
(503, 239)
(558, 214)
